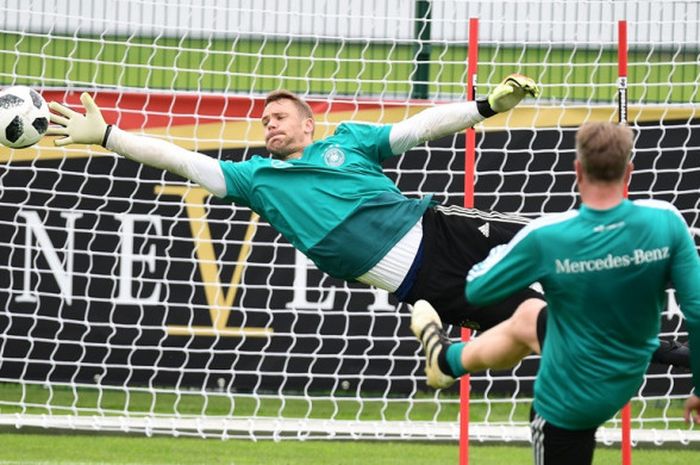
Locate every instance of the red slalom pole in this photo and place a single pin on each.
(622, 71)
(626, 412)
(469, 166)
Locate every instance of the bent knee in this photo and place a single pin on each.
(524, 322)
(528, 311)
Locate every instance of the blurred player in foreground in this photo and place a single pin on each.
(604, 269)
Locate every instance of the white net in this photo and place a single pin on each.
(133, 301)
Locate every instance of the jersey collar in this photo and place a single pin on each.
(618, 210)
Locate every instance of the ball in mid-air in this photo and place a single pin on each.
(24, 117)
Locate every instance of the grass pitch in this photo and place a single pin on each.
(83, 449)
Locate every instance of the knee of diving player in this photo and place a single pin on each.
(524, 323)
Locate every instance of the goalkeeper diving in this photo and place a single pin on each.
(332, 201)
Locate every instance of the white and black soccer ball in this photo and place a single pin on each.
(24, 117)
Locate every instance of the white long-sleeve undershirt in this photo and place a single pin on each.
(433, 123)
(158, 153)
(430, 124)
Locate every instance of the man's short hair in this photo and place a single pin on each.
(303, 107)
(604, 150)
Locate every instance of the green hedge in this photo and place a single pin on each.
(341, 68)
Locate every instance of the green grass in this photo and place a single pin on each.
(348, 68)
(62, 400)
(50, 449)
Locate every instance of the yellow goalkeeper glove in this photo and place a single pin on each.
(511, 91)
(77, 128)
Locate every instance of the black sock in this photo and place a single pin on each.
(672, 353)
(442, 362)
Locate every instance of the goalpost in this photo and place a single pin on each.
(133, 301)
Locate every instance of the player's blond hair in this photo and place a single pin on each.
(604, 150)
(303, 107)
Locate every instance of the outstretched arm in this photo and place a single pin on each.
(443, 120)
(91, 128)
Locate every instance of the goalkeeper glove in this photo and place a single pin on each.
(511, 91)
(77, 128)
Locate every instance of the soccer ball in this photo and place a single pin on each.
(24, 117)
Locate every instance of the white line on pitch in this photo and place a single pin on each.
(24, 462)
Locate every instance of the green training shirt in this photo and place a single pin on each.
(334, 204)
(604, 274)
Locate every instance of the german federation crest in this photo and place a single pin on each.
(334, 156)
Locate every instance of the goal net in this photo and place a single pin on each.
(131, 300)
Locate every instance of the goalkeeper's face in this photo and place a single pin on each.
(287, 132)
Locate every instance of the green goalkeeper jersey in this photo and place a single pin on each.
(604, 274)
(334, 204)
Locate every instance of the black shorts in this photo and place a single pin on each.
(454, 240)
(552, 445)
